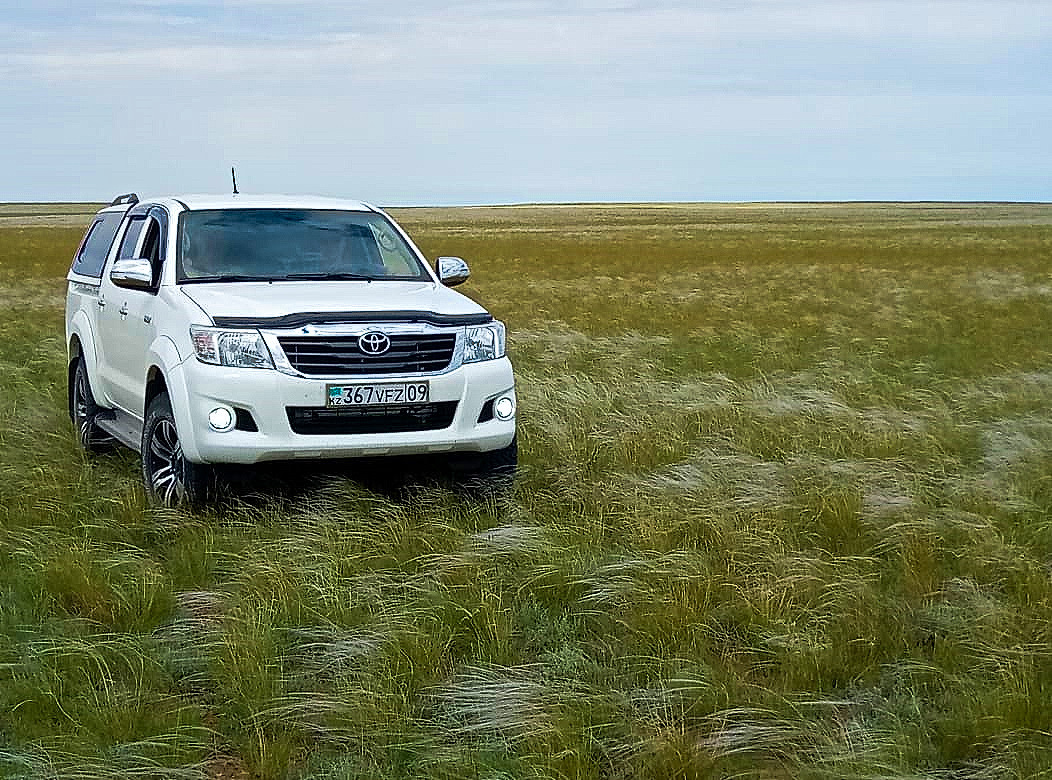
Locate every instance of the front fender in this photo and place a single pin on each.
(164, 356)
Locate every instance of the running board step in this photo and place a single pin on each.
(122, 427)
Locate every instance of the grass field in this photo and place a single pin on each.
(785, 510)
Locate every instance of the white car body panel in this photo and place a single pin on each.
(267, 300)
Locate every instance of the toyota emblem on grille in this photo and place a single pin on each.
(374, 343)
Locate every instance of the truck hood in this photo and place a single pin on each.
(293, 304)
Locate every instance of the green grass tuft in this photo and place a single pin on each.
(784, 511)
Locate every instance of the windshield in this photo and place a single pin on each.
(291, 245)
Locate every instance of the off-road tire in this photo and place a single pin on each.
(83, 411)
(169, 478)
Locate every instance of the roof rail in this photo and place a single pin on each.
(131, 199)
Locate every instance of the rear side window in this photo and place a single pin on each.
(96, 245)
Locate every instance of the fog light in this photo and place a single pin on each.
(504, 408)
(221, 419)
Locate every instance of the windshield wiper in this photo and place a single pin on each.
(227, 278)
(329, 277)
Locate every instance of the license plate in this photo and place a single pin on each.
(378, 395)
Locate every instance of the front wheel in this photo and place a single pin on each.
(169, 478)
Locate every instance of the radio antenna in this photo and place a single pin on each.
(233, 178)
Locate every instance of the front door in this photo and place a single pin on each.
(126, 321)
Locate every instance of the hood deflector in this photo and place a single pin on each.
(321, 318)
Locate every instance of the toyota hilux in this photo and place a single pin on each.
(213, 330)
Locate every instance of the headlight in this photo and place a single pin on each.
(239, 348)
(485, 342)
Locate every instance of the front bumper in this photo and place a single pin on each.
(197, 388)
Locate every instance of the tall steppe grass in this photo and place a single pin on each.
(784, 510)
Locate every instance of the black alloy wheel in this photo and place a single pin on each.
(170, 480)
(84, 411)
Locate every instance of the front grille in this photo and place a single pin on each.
(410, 353)
(313, 420)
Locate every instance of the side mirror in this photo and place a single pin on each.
(133, 273)
(452, 271)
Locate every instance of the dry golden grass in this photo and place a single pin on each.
(785, 510)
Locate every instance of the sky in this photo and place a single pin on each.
(507, 101)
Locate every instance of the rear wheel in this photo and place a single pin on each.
(84, 411)
(170, 479)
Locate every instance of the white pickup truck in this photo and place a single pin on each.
(234, 329)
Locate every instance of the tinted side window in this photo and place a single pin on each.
(143, 239)
(92, 256)
(151, 246)
(131, 237)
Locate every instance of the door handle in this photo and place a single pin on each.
(123, 310)
(147, 319)
(102, 302)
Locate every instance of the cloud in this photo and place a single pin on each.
(759, 46)
(144, 19)
(578, 99)
(432, 41)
